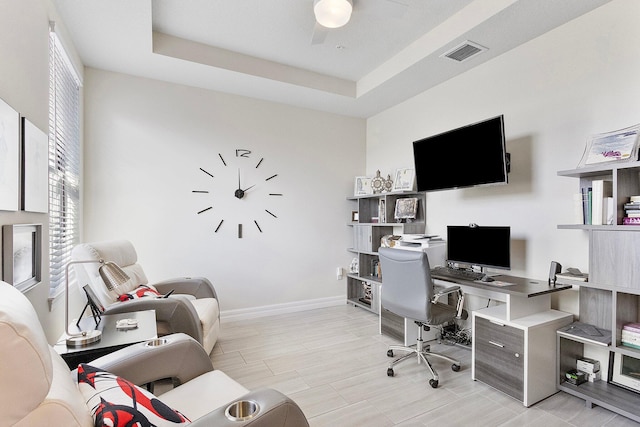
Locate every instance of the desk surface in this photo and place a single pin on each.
(522, 287)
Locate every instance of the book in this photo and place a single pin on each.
(586, 205)
(630, 336)
(573, 274)
(631, 221)
(609, 211)
(586, 332)
(628, 344)
(601, 189)
(635, 327)
(633, 206)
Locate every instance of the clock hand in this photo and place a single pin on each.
(249, 187)
(239, 186)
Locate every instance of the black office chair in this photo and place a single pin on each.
(408, 291)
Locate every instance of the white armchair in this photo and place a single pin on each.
(192, 309)
(37, 388)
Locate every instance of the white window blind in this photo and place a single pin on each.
(64, 162)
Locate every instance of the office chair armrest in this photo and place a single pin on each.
(199, 287)
(460, 313)
(276, 410)
(445, 291)
(180, 357)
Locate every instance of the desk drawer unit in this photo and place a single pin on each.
(499, 356)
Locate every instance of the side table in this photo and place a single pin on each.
(112, 338)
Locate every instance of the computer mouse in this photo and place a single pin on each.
(486, 278)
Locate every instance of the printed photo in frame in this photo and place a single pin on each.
(35, 168)
(362, 186)
(21, 255)
(404, 180)
(9, 158)
(616, 146)
(406, 208)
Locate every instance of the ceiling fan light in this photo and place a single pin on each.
(332, 13)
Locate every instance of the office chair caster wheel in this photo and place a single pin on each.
(390, 371)
(433, 383)
(389, 353)
(455, 368)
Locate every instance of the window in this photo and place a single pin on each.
(64, 162)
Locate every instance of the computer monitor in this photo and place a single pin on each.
(479, 246)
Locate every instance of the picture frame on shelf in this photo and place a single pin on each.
(623, 371)
(21, 255)
(362, 186)
(35, 168)
(9, 158)
(615, 146)
(355, 216)
(404, 180)
(406, 208)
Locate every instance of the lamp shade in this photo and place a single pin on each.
(112, 275)
(332, 13)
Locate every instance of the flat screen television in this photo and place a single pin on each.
(468, 156)
(488, 246)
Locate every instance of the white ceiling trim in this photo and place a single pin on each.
(179, 48)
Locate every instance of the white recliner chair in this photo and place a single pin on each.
(38, 389)
(192, 308)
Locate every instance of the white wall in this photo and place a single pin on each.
(554, 92)
(145, 142)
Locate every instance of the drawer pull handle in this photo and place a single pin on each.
(496, 323)
(497, 344)
(517, 354)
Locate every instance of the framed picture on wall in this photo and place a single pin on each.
(21, 255)
(35, 168)
(404, 180)
(9, 157)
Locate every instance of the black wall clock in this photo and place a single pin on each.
(239, 179)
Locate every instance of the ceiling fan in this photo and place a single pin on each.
(332, 14)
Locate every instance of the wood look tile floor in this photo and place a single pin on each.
(333, 363)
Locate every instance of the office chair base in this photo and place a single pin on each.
(421, 351)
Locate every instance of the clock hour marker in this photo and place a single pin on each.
(259, 162)
(240, 152)
(199, 191)
(275, 194)
(207, 173)
(270, 213)
(205, 209)
(257, 225)
(239, 231)
(271, 177)
(223, 162)
(219, 225)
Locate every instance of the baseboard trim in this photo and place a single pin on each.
(272, 310)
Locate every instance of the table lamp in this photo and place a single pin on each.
(113, 277)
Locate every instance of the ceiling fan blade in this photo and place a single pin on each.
(386, 8)
(319, 34)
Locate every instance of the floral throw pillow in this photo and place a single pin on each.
(114, 401)
(139, 292)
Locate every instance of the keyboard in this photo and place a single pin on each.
(455, 273)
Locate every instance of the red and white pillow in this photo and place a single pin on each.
(139, 292)
(114, 401)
